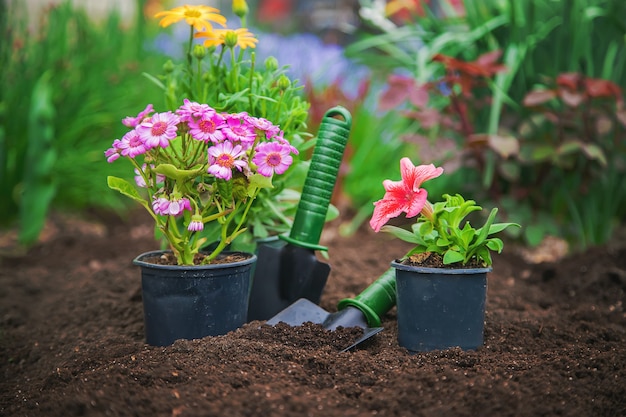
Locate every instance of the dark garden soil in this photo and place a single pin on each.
(71, 341)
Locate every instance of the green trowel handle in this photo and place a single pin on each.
(375, 300)
(320, 181)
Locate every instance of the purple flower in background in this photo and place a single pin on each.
(311, 59)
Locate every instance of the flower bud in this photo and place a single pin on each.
(168, 67)
(283, 82)
(196, 224)
(231, 39)
(199, 52)
(240, 8)
(271, 64)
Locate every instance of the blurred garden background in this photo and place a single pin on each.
(522, 102)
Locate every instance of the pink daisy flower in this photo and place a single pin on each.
(208, 128)
(223, 157)
(271, 158)
(133, 122)
(280, 138)
(113, 153)
(404, 196)
(190, 110)
(239, 130)
(158, 130)
(131, 144)
(268, 128)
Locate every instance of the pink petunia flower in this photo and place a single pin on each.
(191, 110)
(404, 196)
(208, 128)
(239, 130)
(158, 130)
(272, 157)
(223, 157)
(133, 122)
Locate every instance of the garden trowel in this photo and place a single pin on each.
(288, 269)
(362, 311)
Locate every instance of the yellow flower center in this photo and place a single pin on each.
(192, 13)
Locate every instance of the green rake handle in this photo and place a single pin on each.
(320, 181)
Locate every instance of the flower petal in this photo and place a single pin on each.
(415, 176)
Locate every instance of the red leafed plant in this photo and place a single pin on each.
(449, 106)
(575, 116)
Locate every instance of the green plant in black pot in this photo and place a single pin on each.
(441, 283)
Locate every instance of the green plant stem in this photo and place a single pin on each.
(234, 69)
(190, 47)
(226, 239)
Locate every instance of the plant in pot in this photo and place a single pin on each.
(441, 284)
(200, 165)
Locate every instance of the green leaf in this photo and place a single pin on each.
(257, 182)
(332, 213)
(593, 151)
(498, 227)
(155, 80)
(402, 234)
(124, 187)
(484, 231)
(452, 257)
(495, 244)
(39, 183)
(178, 174)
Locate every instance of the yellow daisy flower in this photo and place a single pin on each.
(230, 37)
(200, 17)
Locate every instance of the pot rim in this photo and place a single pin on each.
(446, 271)
(138, 261)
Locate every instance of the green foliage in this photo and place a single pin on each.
(63, 90)
(547, 152)
(231, 80)
(445, 234)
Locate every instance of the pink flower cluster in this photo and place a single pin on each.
(223, 142)
(233, 140)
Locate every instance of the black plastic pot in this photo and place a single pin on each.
(440, 308)
(191, 302)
